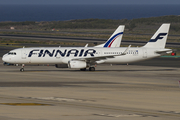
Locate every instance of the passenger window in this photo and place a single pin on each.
(11, 53)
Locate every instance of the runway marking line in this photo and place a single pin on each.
(142, 112)
(25, 104)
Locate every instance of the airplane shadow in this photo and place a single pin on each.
(70, 70)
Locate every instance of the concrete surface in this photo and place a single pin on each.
(111, 92)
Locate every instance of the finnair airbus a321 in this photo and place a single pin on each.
(87, 57)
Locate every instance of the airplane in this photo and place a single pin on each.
(87, 57)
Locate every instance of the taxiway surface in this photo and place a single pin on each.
(82, 40)
(111, 92)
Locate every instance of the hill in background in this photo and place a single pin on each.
(136, 29)
(134, 24)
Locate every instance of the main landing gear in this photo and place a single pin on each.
(90, 69)
(22, 68)
(83, 69)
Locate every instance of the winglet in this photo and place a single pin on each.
(86, 45)
(125, 52)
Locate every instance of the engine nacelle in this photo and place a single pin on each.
(61, 65)
(77, 64)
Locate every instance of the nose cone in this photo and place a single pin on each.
(4, 58)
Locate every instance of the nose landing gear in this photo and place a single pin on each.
(22, 68)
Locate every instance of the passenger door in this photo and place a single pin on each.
(144, 53)
(23, 54)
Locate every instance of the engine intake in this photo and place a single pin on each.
(77, 64)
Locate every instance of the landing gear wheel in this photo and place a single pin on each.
(22, 69)
(83, 69)
(92, 69)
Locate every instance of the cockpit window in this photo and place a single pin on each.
(11, 53)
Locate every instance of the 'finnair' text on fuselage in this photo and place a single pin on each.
(68, 53)
(65, 53)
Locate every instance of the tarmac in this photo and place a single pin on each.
(136, 91)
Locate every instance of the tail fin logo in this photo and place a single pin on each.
(160, 36)
(109, 43)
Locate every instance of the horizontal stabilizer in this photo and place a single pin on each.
(164, 51)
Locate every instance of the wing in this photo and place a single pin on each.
(98, 58)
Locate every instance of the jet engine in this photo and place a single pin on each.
(77, 64)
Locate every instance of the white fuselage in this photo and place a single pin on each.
(61, 55)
